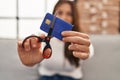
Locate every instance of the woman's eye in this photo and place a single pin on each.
(69, 14)
(60, 12)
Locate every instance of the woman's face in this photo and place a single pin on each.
(64, 12)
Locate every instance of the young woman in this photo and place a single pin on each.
(67, 54)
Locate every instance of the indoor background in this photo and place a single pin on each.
(99, 18)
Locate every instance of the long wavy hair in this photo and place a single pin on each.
(68, 53)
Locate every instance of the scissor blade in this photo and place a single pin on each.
(52, 26)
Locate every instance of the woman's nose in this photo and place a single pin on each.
(64, 17)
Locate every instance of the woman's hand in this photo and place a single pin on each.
(31, 54)
(80, 43)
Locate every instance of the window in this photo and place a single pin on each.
(20, 18)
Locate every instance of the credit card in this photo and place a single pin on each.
(59, 26)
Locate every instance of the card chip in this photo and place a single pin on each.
(47, 21)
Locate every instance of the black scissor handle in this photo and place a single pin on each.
(46, 40)
(39, 39)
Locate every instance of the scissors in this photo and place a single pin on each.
(46, 40)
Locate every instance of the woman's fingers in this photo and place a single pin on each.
(77, 40)
(19, 43)
(42, 36)
(19, 46)
(76, 47)
(74, 33)
(27, 45)
(29, 51)
(76, 37)
(34, 42)
(80, 43)
(31, 43)
(81, 55)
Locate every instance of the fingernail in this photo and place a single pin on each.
(73, 52)
(62, 33)
(69, 47)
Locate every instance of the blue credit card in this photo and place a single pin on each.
(59, 26)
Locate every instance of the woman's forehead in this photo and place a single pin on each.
(64, 6)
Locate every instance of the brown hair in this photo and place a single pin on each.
(69, 54)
